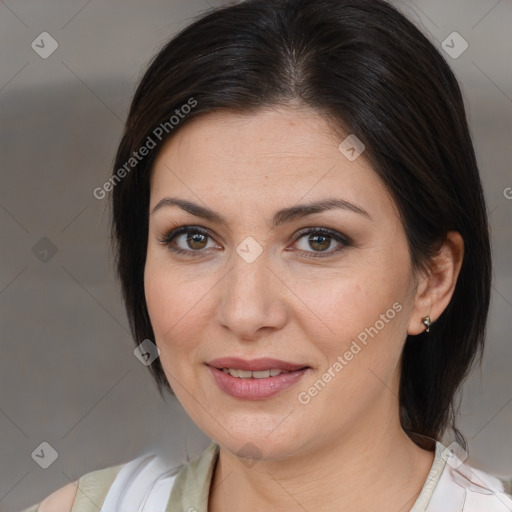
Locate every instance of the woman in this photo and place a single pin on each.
(300, 227)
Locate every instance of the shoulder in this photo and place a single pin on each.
(92, 485)
(61, 500)
(153, 482)
(143, 482)
(467, 489)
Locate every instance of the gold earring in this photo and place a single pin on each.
(427, 322)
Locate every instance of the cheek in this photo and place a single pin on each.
(170, 302)
(360, 317)
(177, 307)
(358, 344)
(342, 306)
(163, 309)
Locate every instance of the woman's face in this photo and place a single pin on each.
(333, 308)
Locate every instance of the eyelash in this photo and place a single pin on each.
(169, 236)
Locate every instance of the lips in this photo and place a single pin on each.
(254, 365)
(255, 379)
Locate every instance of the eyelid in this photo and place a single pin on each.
(327, 231)
(172, 233)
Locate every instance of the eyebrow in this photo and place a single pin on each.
(280, 217)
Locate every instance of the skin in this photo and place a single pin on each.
(323, 455)
(60, 500)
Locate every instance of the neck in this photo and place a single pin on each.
(335, 476)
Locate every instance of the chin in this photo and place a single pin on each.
(255, 444)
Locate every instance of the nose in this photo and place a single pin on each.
(253, 298)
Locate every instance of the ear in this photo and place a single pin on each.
(434, 290)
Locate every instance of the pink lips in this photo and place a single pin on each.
(252, 388)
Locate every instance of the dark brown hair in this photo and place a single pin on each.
(364, 66)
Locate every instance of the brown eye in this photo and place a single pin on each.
(196, 241)
(320, 240)
(192, 240)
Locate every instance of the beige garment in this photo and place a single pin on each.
(191, 487)
(92, 490)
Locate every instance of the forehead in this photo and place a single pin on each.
(268, 134)
(280, 154)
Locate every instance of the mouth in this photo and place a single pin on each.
(254, 365)
(255, 379)
(246, 374)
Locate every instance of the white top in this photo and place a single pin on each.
(145, 484)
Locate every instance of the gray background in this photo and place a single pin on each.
(69, 376)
